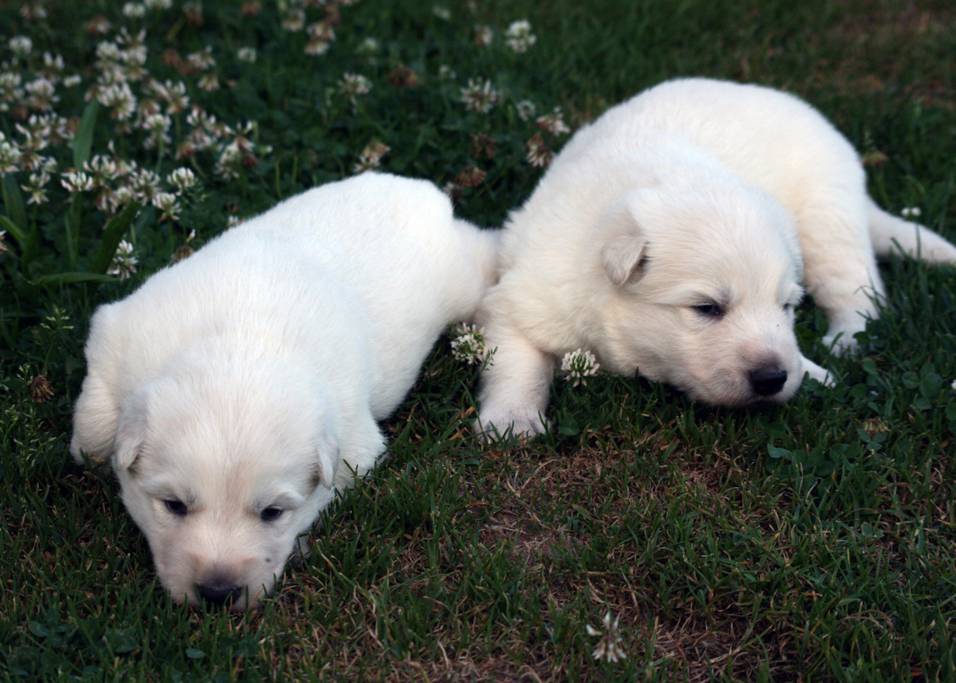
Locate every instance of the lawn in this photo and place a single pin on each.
(813, 541)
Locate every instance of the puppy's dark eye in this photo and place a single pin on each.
(176, 507)
(788, 307)
(270, 514)
(709, 310)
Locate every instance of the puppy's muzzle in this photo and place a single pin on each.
(768, 380)
(219, 589)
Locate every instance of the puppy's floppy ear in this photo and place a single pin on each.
(328, 458)
(624, 252)
(132, 428)
(326, 441)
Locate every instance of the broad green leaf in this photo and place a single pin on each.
(115, 229)
(83, 142)
(13, 201)
(18, 233)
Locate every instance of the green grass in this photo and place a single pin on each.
(812, 541)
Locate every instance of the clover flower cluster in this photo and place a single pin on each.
(578, 365)
(519, 36)
(468, 344)
(609, 646)
(371, 156)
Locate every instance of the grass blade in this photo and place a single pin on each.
(18, 233)
(112, 234)
(71, 278)
(83, 142)
(13, 201)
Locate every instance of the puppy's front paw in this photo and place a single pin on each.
(820, 374)
(841, 337)
(492, 425)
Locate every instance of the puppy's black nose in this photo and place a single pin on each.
(218, 591)
(768, 380)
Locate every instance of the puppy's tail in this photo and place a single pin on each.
(485, 248)
(890, 235)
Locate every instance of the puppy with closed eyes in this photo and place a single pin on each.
(674, 236)
(235, 392)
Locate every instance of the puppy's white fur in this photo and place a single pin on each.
(252, 374)
(694, 191)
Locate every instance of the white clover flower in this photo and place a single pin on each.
(293, 20)
(52, 62)
(112, 201)
(37, 133)
(172, 93)
(483, 35)
(157, 129)
(107, 51)
(167, 204)
(182, 179)
(525, 109)
(76, 181)
(469, 345)
(123, 60)
(202, 60)
(609, 647)
(120, 98)
(553, 123)
(144, 185)
(124, 262)
(229, 162)
(20, 46)
(104, 169)
(321, 35)
(446, 73)
(479, 96)
(9, 155)
(354, 85)
(72, 80)
(134, 10)
(539, 154)
(31, 11)
(36, 188)
(953, 385)
(10, 91)
(247, 54)
(441, 12)
(41, 93)
(911, 212)
(519, 36)
(371, 156)
(578, 365)
(208, 83)
(368, 46)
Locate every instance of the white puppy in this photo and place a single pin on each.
(237, 390)
(671, 236)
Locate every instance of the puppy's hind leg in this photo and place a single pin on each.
(514, 391)
(840, 267)
(891, 234)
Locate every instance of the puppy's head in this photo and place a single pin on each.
(222, 470)
(700, 286)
